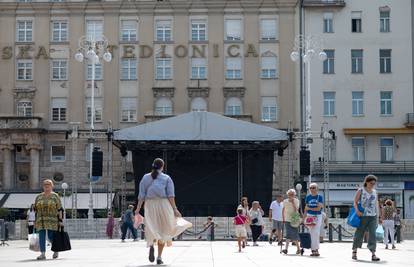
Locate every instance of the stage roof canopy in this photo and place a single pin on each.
(200, 126)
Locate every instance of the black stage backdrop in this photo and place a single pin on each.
(206, 180)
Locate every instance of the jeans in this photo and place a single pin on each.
(125, 227)
(42, 238)
(368, 223)
(256, 231)
(388, 231)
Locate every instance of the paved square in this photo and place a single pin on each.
(110, 253)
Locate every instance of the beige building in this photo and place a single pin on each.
(169, 57)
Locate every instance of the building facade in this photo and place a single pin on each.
(364, 92)
(168, 58)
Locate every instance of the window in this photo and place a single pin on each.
(59, 31)
(163, 106)
(24, 108)
(24, 31)
(356, 21)
(385, 60)
(128, 30)
(163, 69)
(357, 103)
(98, 72)
(128, 109)
(387, 148)
(198, 68)
(269, 108)
(198, 30)
(57, 153)
(24, 70)
(163, 30)
(59, 106)
(386, 103)
(357, 60)
(128, 69)
(22, 154)
(384, 21)
(329, 62)
(233, 29)
(233, 68)
(198, 104)
(268, 29)
(358, 148)
(98, 109)
(233, 106)
(59, 69)
(94, 30)
(328, 103)
(328, 22)
(268, 68)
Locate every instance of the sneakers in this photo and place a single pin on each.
(42, 257)
(255, 244)
(393, 247)
(386, 247)
(151, 256)
(375, 258)
(135, 240)
(159, 261)
(55, 255)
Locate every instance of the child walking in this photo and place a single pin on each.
(240, 222)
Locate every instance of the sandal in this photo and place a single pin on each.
(285, 251)
(298, 252)
(313, 253)
(375, 258)
(354, 255)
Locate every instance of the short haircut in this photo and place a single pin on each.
(48, 181)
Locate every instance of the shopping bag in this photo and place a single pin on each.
(379, 233)
(353, 218)
(310, 221)
(34, 242)
(61, 241)
(138, 220)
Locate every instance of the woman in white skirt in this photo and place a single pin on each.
(156, 190)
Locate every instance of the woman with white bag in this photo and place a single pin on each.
(313, 217)
(162, 219)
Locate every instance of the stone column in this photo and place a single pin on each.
(34, 165)
(8, 171)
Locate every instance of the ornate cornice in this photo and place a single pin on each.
(234, 91)
(163, 92)
(24, 93)
(198, 92)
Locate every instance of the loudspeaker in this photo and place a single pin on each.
(304, 157)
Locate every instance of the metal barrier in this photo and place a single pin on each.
(341, 233)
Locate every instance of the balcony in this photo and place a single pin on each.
(357, 167)
(410, 120)
(15, 122)
(323, 3)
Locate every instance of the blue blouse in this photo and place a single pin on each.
(313, 202)
(161, 187)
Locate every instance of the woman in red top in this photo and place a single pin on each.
(240, 226)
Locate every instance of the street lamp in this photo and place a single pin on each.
(92, 50)
(299, 190)
(307, 47)
(64, 187)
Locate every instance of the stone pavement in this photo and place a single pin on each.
(108, 253)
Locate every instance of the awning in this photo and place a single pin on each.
(200, 126)
(24, 200)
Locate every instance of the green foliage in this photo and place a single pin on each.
(4, 213)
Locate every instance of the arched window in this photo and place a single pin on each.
(24, 108)
(198, 104)
(163, 106)
(234, 106)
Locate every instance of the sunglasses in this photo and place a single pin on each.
(312, 187)
(373, 183)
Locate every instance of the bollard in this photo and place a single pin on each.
(212, 232)
(330, 234)
(339, 232)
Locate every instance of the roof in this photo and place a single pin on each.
(200, 126)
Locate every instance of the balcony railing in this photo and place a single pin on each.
(324, 3)
(344, 167)
(410, 120)
(15, 122)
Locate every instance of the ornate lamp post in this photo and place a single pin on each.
(64, 187)
(307, 47)
(92, 50)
